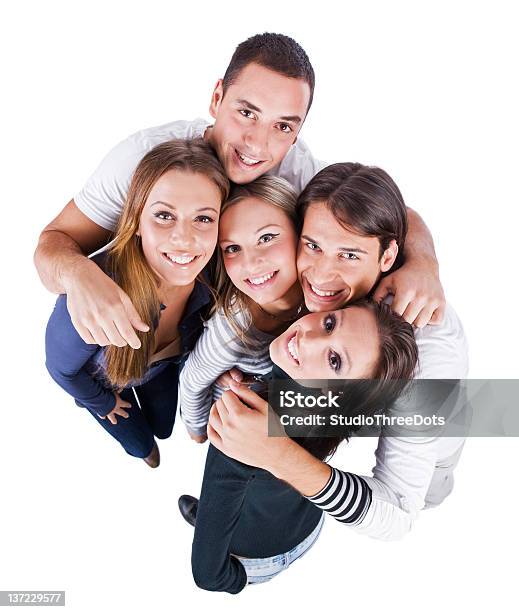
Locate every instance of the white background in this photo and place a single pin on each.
(426, 91)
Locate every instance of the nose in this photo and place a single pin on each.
(254, 262)
(325, 272)
(256, 141)
(181, 236)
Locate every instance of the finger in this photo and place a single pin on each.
(236, 374)
(214, 437)
(425, 316)
(401, 301)
(251, 398)
(99, 336)
(126, 330)
(132, 314)
(221, 409)
(113, 335)
(437, 317)
(83, 331)
(124, 404)
(101, 417)
(215, 421)
(385, 287)
(122, 413)
(413, 310)
(112, 418)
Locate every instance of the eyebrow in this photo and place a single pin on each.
(344, 249)
(173, 207)
(268, 225)
(290, 118)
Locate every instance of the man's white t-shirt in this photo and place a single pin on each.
(103, 196)
(404, 466)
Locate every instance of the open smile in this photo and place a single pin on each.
(260, 282)
(245, 161)
(183, 261)
(321, 295)
(292, 349)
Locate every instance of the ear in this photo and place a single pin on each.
(388, 257)
(216, 98)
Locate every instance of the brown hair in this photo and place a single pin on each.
(396, 365)
(126, 261)
(231, 300)
(276, 52)
(363, 199)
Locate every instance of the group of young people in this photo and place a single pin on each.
(233, 251)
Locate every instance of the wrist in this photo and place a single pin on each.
(73, 269)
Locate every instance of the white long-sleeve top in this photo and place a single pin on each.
(405, 466)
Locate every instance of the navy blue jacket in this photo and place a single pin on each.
(77, 367)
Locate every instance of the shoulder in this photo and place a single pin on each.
(299, 165)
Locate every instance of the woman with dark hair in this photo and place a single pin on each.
(165, 237)
(250, 525)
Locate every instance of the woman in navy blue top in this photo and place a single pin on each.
(165, 237)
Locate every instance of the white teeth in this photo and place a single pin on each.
(185, 259)
(323, 293)
(261, 279)
(292, 348)
(247, 160)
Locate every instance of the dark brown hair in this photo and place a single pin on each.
(126, 261)
(276, 52)
(363, 199)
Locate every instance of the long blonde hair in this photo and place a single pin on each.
(231, 301)
(126, 261)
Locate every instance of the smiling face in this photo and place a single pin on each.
(258, 243)
(179, 226)
(256, 121)
(339, 344)
(335, 265)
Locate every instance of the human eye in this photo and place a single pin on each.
(231, 249)
(349, 256)
(267, 238)
(334, 360)
(245, 112)
(163, 215)
(204, 219)
(312, 246)
(329, 322)
(286, 128)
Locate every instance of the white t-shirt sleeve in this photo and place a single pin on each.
(103, 195)
(299, 166)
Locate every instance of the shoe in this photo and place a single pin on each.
(153, 459)
(188, 505)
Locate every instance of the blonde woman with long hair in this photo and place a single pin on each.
(166, 236)
(258, 294)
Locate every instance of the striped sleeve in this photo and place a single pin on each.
(346, 497)
(217, 351)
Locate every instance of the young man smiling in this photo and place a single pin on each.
(258, 109)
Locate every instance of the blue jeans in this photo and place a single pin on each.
(262, 570)
(155, 417)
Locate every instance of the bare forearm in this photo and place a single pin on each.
(55, 258)
(419, 242)
(299, 468)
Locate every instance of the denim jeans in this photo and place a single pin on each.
(154, 417)
(262, 570)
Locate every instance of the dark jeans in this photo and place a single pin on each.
(155, 417)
